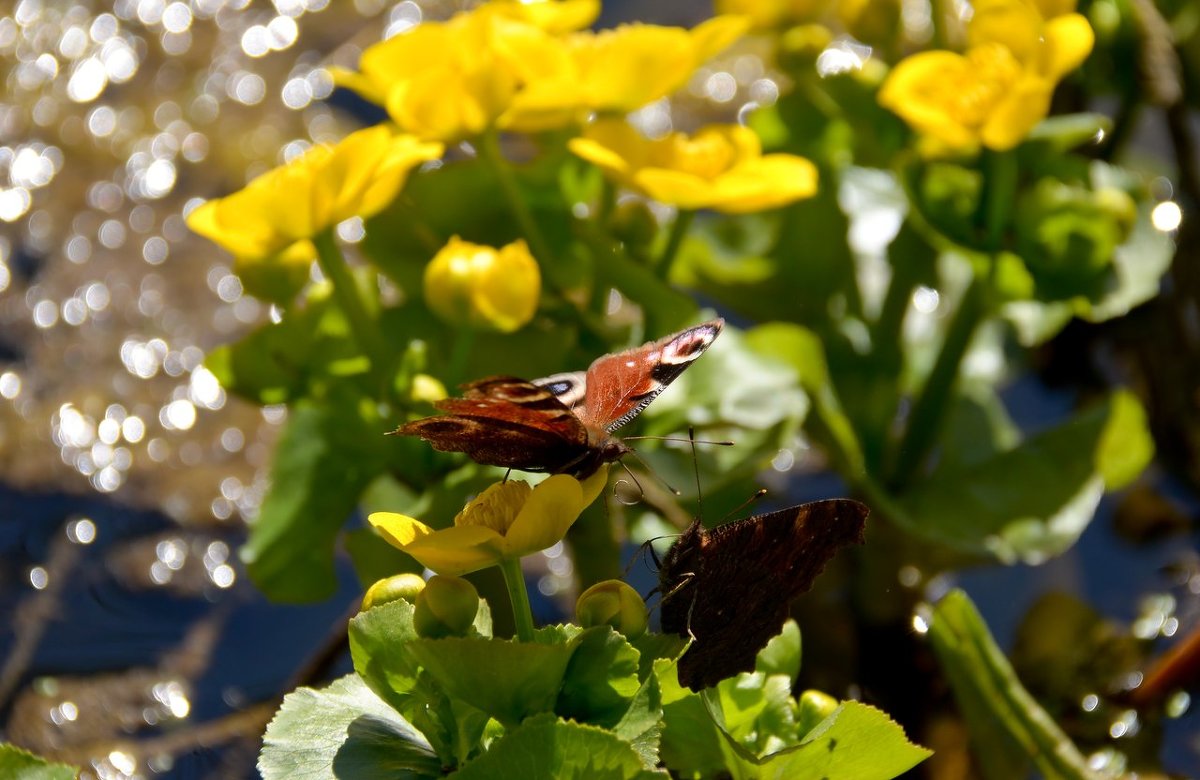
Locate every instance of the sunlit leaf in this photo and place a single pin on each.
(18, 764)
(343, 731)
(545, 746)
(1005, 720)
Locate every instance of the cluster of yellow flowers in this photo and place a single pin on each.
(994, 93)
(506, 66)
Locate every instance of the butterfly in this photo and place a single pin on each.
(561, 424)
(729, 589)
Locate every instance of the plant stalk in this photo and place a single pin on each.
(346, 293)
(514, 580)
(489, 149)
(679, 228)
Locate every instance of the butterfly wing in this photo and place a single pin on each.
(742, 579)
(504, 421)
(619, 386)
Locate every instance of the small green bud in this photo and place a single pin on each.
(815, 707)
(446, 607)
(612, 603)
(400, 586)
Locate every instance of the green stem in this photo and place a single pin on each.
(679, 228)
(518, 597)
(346, 293)
(489, 150)
(928, 413)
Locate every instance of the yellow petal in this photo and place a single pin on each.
(712, 37)
(677, 188)
(1022, 108)
(600, 156)
(551, 509)
(357, 82)
(1013, 23)
(458, 550)
(770, 182)
(913, 91)
(398, 529)
(503, 298)
(594, 485)
(1068, 42)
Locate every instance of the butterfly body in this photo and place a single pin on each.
(564, 423)
(730, 589)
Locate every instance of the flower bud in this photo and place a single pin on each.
(446, 607)
(612, 603)
(482, 287)
(815, 707)
(426, 388)
(400, 586)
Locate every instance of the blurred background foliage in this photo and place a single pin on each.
(980, 343)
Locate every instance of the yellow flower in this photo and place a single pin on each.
(553, 16)
(619, 70)
(275, 214)
(506, 521)
(772, 14)
(721, 167)
(1018, 51)
(469, 284)
(452, 80)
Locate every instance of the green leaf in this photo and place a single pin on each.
(690, 744)
(641, 725)
(453, 728)
(856, 742)
(757, 710)
(1032, 501)
(343, 731)
(601, 678)
(545, 746)
(379, 642)
(1004, 719)
(782, 653)
(508, 680)
(1068, 131)
(327, 455)
(18, 764)
(801, 349)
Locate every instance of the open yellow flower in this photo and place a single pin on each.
(619, 70)
(994, 94)
(496, 289)
(451, 80)
(507, 521)
(275, 214)
(721, 167)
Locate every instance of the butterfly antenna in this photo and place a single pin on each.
(651, 471)
(757, 495)
(641, 492)
(691, 439)
(696, 472)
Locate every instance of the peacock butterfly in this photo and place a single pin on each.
(729, 589)
(561, 424)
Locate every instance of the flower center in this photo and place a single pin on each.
(971, 95)
(496, 507)
(707, 155)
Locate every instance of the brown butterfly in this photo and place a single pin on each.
(561, 424)
(730, 588)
